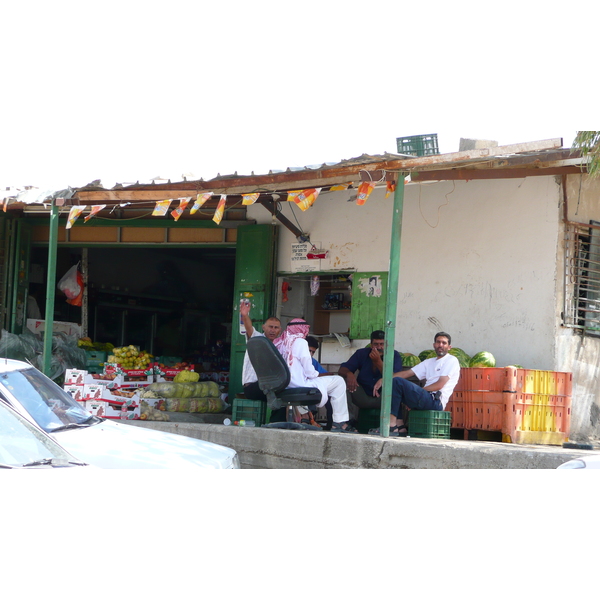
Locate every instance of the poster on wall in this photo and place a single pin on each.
(371, 286)
(300, 261)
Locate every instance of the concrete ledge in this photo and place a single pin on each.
(263, 448)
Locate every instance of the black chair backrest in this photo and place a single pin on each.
(271, 369)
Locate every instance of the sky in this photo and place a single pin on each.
(127, 91)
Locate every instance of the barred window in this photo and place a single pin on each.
(582, 277)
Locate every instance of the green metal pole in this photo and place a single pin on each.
(50, 288)
(391, 306)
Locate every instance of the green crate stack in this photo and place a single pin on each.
(418, 145)
(429, 424)
(249, 410)
(95, 361)
(368, 418)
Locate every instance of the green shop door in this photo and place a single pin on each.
(369, 297)
(254, 280)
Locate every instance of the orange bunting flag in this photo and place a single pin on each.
(306, 198)
(220, 209)
(95, 210)
(200, 200)
(248, 199)
(292, 195)
(161, 208)
(177, 212)
(339, 188)
(74, 215)
(364, 191)
(391, 187)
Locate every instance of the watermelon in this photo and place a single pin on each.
(427, 354)
(463, 358)
(515, 366)
(483, 359)
(410, 360)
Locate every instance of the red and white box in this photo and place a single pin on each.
(75, 377)
(93, 391)
(75, 391)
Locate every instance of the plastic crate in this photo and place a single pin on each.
(95, 357)
(418, 145)
(429, 424)
(553, 383)
(488, 379)
(521, 418)
(168, 361)
(368, 418)
(477, 410)
(249, 410)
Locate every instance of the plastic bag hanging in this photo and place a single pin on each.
(71, 285)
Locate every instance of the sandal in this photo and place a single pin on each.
(395, 431)
(338, 428)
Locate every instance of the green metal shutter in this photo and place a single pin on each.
(369, 296)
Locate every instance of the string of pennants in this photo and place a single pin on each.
(304, 199)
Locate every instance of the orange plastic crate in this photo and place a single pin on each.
(488, 379)
(477, 410)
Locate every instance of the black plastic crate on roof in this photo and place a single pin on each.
(418, 145)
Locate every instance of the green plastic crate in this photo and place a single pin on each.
(430, 424)
(418, 145)
(368, 418)
(249, 410)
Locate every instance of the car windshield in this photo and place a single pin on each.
(24, 445)
(49, 405)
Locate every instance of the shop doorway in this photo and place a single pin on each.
(168, 301)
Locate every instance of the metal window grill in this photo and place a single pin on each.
(582, 277)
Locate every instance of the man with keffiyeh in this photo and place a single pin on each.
(293, 347)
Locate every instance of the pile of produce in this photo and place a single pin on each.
(148, 413)
(130, 357)
(191, 396)
(87, 344)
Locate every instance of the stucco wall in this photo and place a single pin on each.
(575, 352)
(478, 259)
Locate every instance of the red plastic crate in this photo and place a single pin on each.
(538, 412)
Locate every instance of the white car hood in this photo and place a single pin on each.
(111, 445)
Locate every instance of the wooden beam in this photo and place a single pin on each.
(470, 174)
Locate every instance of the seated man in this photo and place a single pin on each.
(271, 329)
(369, 364)
(441, 375)
(294, 348)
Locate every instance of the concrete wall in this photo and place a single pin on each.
(575, 352)
(261, 448)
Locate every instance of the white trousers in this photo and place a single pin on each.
(335, 387)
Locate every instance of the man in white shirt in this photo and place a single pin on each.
(271, 329)
(440, 374)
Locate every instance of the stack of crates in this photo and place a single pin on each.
(249, 410)
(527, 406)
(418, 145)
(429, 424)
(95, 361)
